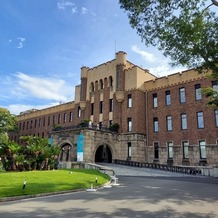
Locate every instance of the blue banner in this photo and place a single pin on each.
(80, 147)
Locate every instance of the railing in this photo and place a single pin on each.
(93, 127)
(164, 167)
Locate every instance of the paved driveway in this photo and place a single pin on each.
(145, 193)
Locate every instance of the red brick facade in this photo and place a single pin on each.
(133, 109)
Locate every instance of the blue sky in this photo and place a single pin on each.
(44, 43)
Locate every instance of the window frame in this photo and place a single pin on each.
(129, 101)
(170, 150)
(169, 123)
(185, 148)
(202, 149)
(198, 93)
(168, 98)
(200, 120)
(155, 101)
(184, 122)
(182, 95)
(155, 125)
(129, 124)
(129, 149)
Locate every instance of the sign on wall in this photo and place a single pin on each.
(80, 147)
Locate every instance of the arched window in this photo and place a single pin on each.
(101, 84)
(92, 87)
(110, 81)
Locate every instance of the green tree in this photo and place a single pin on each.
(40, 154)
(9, 151)
(8, 122)
(186, 31)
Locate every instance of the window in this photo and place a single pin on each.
(155, 124)
(155, 100)
(43, 121)
(202, 145)
(79, 111)
(27, 125)
(31, 124)
(110, 81)
(53, 119)
(129, 101)
(49, 120)
(129, 149)
(35, 123)
(101, 84)
(23, 125)
(185, 146)
(101, 107)
(92, 87)
(183, 121)
(71, 117)
(168, 98)
(169, 123)
(156, 150)
(39, 122)
(170, 150)
(92, 108)
(200, 117)
(198, 94)
(129, 124)
(182, 95)
(216, 117)
(110, 105)
(65, 117)
(59, 118)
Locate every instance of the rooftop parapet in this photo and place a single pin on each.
(173, 79)
(47, 111)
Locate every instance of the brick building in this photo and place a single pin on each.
(162, 120)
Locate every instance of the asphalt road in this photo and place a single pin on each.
(141, 193)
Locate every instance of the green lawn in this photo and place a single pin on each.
(11, 183)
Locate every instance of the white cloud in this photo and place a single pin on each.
(17, 108)
(21, 41)
(145, 55)
(164, 69)
(64, 5)
(43, 88)
(74, 10)
(84, 10)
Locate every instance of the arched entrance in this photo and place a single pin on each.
(103, 154)
(65, 154)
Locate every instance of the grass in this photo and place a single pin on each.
(11, 183)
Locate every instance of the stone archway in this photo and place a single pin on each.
(103, 154)
(65, 154)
